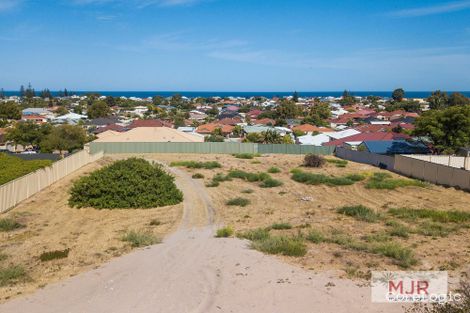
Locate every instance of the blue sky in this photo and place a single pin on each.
(235, 45)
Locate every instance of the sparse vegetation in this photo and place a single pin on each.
(8, 224)
(274, 170)
(315, 236)
(284, 245)
(238, 202)
(155, 222)
(224, 232)
(270, 183)
(248, 191)
(398, 229)
(246, 156)
(54, 255)
(279, 226)
(434, 215)
(140, 238)
(337, 162)
(319, 179)
(255, 234)
(11, 275)
(197, 165)
(385, 181)
(313, 160)
(435, 229)
(131, 183)
(198, 176)
(251, 177)
(359, 212)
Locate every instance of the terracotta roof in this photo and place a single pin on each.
(149, 123)
(264, 121)
(308, 128)
(230, 121)
(149, 134)
(367, 136)
(207, 129)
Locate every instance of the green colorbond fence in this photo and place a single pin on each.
(204, 148)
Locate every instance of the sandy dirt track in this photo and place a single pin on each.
(191, 271)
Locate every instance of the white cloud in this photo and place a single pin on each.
(6, 5)
(433, 10)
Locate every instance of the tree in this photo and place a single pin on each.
(238, 131)
(319, 113)
(64, 138)
(2, 94)
(61, 111)
(287, 109)
(458, 99)
(295, 97)
(438, 100)
(10, 111)
(347, 98)
(27, 133)
(98, 109)
(398, 95)
(30, 93)
(449, 129)
(45, 93)
(22, 91)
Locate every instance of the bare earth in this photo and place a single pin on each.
(193, 272)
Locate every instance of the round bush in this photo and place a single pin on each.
(131, 183)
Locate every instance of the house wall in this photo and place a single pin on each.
(366, 157)
(205, 147)
(24, 187)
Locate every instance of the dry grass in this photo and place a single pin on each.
(311, 210)
(93, 236)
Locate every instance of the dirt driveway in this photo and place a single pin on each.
(191, 271)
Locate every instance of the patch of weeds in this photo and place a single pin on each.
(403, 256)
(398, 229)
(140, 238)
(289, 246)
(434, 229)
(315, 236)
(3, 257)
(385, 181)
(319, 179)
(256, 162)
(434, 215)
(337, 162)
(224, 232)
(246, 156)
(54, 255)
(217, 179)
(251, 177)
(279, 226)
(356, 177)
(248, 191)
(8, 224)
(270, 183)
(155, 222)
(198, 176)
(238, 202)
(11, 275)
(193, 164)
(274, 170)
(359, 212)
(255, 234)
(354, 272)
(377, 237)
(295, 170)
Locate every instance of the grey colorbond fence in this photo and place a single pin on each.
(204, 148)
(366, 157)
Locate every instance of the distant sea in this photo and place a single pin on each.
(206, 94)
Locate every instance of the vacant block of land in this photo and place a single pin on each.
(44, 240)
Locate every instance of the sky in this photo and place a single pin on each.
(235, 45)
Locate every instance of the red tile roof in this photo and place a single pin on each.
(307, 128)
(229, 121)
(264, 121)
(207, 129)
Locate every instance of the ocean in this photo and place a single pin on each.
(206, 94)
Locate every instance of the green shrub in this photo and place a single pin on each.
(212, 184)
(12, 167)
(131, 183)
(246, 156)
(238, 202)
(155, 222)
(270, 183)
(385, 181)
(198, 176)
(274, 170)
(198, 165)
(281, 245)
(255, 234)
(398, 229)
(434, 215)
(251, 177)
(377, 237)
(224, 232)
(11, 275)
(355, 177)
(434, 229)
(140, 238)
(337, 162)
(54, 255)
(403, 256)
(313, 160)
(295, 170)
(321, 179)
(8, 224)
(315, 236)
(247, 191)
(359, 212)
(279, 226)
